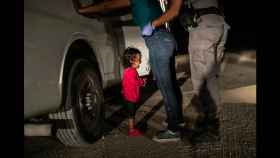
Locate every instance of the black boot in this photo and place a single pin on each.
(194, 114)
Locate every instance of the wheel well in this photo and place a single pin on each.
(78, 49)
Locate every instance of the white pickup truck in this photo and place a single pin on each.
(69, 59)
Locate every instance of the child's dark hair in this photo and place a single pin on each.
(128, 55)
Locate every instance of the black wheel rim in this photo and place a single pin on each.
(87, 102)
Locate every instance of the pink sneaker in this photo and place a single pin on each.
(134, 132)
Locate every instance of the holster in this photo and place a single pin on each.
(188, 17)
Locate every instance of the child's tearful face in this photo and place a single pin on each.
(136, 61)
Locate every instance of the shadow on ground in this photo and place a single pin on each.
(119, 116)
(234, 136)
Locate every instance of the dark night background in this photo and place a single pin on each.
(240, 16)
(242, 35)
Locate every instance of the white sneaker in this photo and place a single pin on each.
(167, 136)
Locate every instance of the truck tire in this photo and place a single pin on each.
(80, 121)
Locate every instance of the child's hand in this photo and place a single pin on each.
(145, 81)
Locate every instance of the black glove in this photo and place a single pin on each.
(187, 16)
(187, 19)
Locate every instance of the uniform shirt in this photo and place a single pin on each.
(208, 20)
(144, 11)
(131, 84)
(197, 4)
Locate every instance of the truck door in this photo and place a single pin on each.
(124, 33)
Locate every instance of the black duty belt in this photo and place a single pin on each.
(210, 10)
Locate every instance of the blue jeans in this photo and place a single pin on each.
(161, 47)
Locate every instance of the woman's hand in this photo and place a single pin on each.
(82, 10)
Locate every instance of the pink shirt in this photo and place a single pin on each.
(131, 84)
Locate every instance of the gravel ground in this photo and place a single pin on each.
(235, 137)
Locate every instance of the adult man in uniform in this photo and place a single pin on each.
(206, 50)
